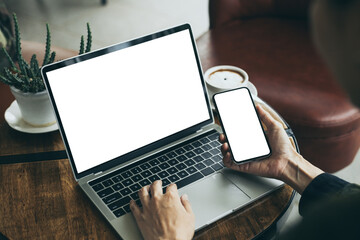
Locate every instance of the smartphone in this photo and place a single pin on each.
(241, 125)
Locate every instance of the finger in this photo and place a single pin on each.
(227, 160)
(172, 188)
(222, 138)
(172, 192)
(135, 210)
(144, 195)
(229, 163)
(266, 117)
(186, 203)
(225, 149)
(156, 188)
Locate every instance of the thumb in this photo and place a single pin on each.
(185, 202)
(266, 117)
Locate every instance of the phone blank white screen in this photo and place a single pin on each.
(241, 125)
(121, 101)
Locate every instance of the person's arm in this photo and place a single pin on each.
(323, 187)
(284, 163)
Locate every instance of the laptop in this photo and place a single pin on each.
(136, 112)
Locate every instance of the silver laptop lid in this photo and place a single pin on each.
(118, 103)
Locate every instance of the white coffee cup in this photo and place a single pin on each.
(223, 78)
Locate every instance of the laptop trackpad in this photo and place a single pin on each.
(213, 198)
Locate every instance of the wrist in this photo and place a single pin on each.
(299, 173)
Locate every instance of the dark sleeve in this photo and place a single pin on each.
(321, 188)
(331, 211)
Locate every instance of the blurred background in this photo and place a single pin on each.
(116, 21)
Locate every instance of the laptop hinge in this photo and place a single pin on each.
(98, 173)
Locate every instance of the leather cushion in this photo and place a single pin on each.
(279, 57)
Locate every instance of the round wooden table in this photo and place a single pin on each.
(40, 198)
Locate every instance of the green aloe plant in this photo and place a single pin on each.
(27, 76)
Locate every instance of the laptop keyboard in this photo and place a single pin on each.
(183, 164)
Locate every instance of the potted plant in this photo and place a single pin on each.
(26, 83)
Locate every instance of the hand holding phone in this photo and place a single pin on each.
(241, 125)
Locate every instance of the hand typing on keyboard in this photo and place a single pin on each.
(163, 216)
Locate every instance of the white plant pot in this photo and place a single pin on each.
(35, 108)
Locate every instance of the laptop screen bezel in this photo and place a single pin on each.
(145, 149)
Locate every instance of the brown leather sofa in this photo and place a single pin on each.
(271, 41)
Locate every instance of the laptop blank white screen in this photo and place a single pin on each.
(121, 101)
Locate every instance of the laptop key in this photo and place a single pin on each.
(171, 155)
(127, 208)
(217, 167)
(155, 169)
(180, 166)
(200, 166)
(206, 155)
(107, 183)
(207, 171)
(196, 144)
(191, 170)
(164, 166)
(165, 182)
(117, 178)
(214, 136)
(125, 191)
(98, 187)
(189, 162)
(145, 166)
(126, 174)
(216, 158)
(182, 174)
(204, 140)
(188, 147)
(181, 158)
(127, 182)
(190, 154)
(198, 150)
(119, 203)
(111, 198)
(173, 178)
(136, 178)
(215, 151)
(144, 182)
(163, 158)
(172, 162)
(206, 147)
(153, 178)
(172, 170)
(119, 212)
(154, 162)
(146, 174)
(136, 170)
(198, 159)
(180, 151)
(208, 162)
(215, 144)
(188, 180)
(135, 188)
(105, 192)
(163, 174)
(117, 186)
